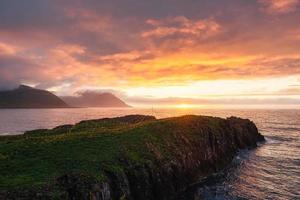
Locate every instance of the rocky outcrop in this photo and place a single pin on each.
(194, 159)
(163, 158)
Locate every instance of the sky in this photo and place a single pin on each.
(158, 52)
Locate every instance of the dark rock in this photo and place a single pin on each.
(174, 153)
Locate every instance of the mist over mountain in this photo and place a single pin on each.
(28, 97)
(94, 99)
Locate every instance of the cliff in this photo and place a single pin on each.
(28, 97)
(131, 157)
(94, 99)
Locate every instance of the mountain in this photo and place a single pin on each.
(94, 99)
(28, 97)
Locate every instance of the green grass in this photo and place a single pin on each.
(37, 158)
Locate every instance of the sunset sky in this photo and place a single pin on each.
(155, 52)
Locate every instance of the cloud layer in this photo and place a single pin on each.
(280, 6)
(125, 44)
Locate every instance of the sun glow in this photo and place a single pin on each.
(184, 106)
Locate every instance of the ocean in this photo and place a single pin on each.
(271, 171)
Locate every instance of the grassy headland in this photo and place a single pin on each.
(107, 158)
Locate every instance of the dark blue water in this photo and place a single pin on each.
(271, 171)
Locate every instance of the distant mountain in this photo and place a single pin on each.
(28, 97)
(94, 99)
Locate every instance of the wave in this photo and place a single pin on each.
(283, 123)
(273, 140)
(285, 128)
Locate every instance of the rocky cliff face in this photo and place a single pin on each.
(168, 156)
(194, 158)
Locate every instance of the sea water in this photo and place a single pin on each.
(271, 171)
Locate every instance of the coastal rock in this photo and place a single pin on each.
(136, 157)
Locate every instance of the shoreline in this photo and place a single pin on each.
(115, 157)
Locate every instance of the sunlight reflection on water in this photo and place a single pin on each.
(272, 171)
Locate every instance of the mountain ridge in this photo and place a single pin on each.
(28, 97)
(94, 99)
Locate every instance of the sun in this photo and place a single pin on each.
(184, 106)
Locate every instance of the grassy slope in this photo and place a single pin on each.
(92, 147)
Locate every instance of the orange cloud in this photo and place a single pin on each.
(7, 49)
(181, 25)
(83, 45)
(279, 6)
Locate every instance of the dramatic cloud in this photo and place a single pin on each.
(279, 6)
(124, 45)
(181, 26)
